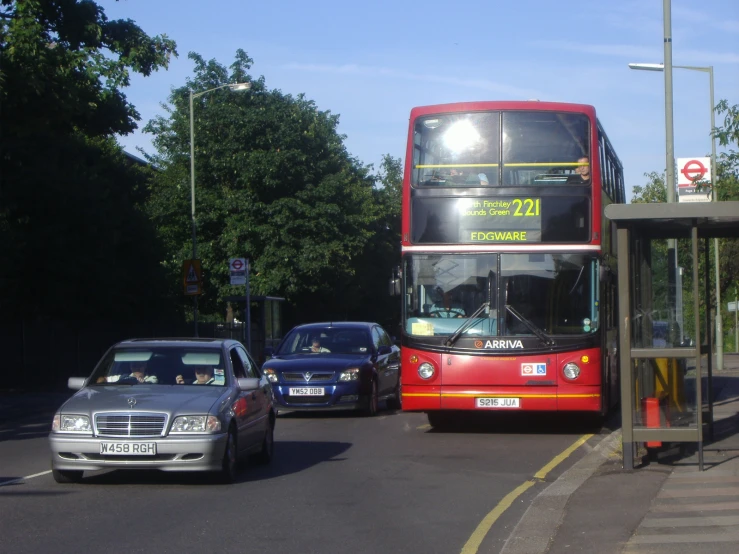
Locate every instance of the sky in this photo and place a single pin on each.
(371, 62)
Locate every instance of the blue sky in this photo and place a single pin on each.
(371, 62)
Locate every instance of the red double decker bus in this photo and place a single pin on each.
(508, 275)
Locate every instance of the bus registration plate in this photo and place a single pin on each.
(306, 391)
(497, 403)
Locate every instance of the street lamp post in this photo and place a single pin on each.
(193, 95)
(719, 323)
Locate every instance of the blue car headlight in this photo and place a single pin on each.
(351, 374)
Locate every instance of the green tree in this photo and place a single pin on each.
(274, 182)
(73, 239)
(383, 251)
(728, 189)
(728, 135)
(654, 191)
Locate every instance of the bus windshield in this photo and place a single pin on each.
(516, 148)
(533, 294)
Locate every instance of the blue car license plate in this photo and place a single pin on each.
(306, 391)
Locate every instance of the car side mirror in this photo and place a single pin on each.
(384, 349)
(248, 383)
(76, 383)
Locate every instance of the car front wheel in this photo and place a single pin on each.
(229, 469)
(396, 402)
(66, 475)
(372, 401)
(267, 452)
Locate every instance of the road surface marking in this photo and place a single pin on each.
(26, 478)
(479, 534)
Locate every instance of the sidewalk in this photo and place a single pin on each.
(665, 505)
(30, 406)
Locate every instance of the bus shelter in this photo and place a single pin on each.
(664, 309)
(264, 325)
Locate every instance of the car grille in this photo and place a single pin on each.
(314, 377)
(136, 424)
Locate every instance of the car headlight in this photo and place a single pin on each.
(271, 375)
(349, 374)
(71, 424)
(196, 424)
(426, 370)
(571, 371)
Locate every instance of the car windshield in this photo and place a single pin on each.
(161, 366)
(326, 340)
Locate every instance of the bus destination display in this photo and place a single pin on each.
(500, 219)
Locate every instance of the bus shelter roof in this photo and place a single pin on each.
(675, 220)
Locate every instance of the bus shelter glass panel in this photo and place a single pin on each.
(273, 322)
(664, 394)
(663, 313)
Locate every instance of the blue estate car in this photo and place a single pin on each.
(335, 366)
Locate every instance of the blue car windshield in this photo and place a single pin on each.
(326, 340)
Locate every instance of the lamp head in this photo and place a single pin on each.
(647, 66)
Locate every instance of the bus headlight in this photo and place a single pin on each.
(571, 371)
(426, 370)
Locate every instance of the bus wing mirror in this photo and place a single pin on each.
(395, 282)
(394, 287)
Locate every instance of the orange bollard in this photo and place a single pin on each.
(655, 416)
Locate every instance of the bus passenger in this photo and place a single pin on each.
(460, 176)
(582, 172)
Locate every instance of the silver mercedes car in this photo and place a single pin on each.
(168, 404)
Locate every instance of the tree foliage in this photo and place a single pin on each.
(73, 238)
(274, 183)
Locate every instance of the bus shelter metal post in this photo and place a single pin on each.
(709, 382)
(696, 311)
(625, 363)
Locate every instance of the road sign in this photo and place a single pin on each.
(192, 278)
(732, 306)
(692, 171)
(237, 269)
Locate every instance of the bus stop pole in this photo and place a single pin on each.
(248, 310)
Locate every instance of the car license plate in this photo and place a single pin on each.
(306, 391)
(128, 448)
(497, 403)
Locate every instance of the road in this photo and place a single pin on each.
(338, 483)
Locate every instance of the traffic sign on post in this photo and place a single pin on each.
(237, 269)
(691, 172)
(192, 278)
